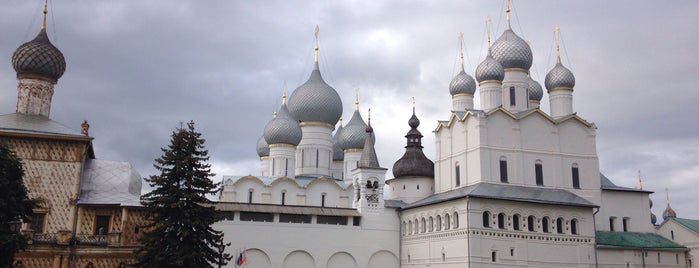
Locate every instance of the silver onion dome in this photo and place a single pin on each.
(39, 58)
(559, 77)
(535, 90)
(315, 101)
(669, 213)
(338, 153)
(354, 133)
(283, 129)
(489, 70)
(511, 51)
(262, 147)
(462, 83)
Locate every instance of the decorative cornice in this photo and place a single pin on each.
(517, 70)
(316, 123)
(560, 88)
(489, 81)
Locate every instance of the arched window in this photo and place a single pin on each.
(431, 224)
(447, 222)
(501, 221)
(545, 225)
(250, 195)
(486, 219)
(503, 169)
(423, 225)
(456, 220)
(539, 172)
(283, 198)
(403, 231)
(417, 227)
(574, 226)
(457, 174)
(439, 223)
(576, 176)
(322, 199)
(559, 225)
(410, 227)
(531, 224)
(515, 222)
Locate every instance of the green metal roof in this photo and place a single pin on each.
(690, 224)
(635, 240)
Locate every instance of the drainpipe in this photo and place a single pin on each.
(594, 224)
(468, 231)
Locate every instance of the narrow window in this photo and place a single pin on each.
(447, 222)
(102, 224)
(439, 223)
(486, 219)
(512, 96)
(457, 174)
(545, 224)
(677, 258)
(286, 168)
(538, 169)
(625, 224)
(530, 223)
(658, 257)
(37, 223)
(274, 163)
(512, 252)
(417, 227)
(444, 257)
(423, 225)
(501, 220)
(611, 223)
(574, 226)
(418, 186)
(515, 222)
(410, 227)
(576, 176)
(322, 200)
(431, 224)
(303, 156)
(283, 198)
(456, 220)
(493, 256)
(317, 157)
(503, 169)
(250, 196)
(672, 234)
(559, 225)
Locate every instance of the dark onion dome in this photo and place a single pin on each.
(462, 83)
(338, 153)
(354, 133)
(262, 147)
(653, 218)
(489, 70)
(39, 58)
(669, 213)
(414, 162)
(315, 101)
(535, 90)
(512, 51)
(559, 78)
(283, 129)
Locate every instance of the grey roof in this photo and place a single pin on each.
(35, 124)
(110, 183)
(354, 133)
(489, 69)
(369, 158)
(338, 153)
(606, 184)
(283, 129)
(511, 51)
(535, 90)
(559, 77)
(286, 209)
(390, 203)
(507, 192)
(39, 57)
(462, 83)
(262, 147)
(315, 101)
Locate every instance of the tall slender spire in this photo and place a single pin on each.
(356, 101)
(507, 13)
(556, 33)
(413, 105)
(461, 50)
(487, 26)
(640, 181)
(46, 11)
(316, 46)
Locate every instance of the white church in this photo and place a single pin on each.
(510, 186)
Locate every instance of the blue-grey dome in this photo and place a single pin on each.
(559, 77)
(354, 133)
(535, 90)
(462, 83)
(489, 69)
(315, 101)
(511, 51)
(338, 153)
(669, 213)
(39, 57)
(262, 147)
(283, 129)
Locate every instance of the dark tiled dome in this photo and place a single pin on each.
(39, 57)
(354, 133)
(489, 70)
(536, 93)
(512, 51)
(283, 129)
(262, 147)
(338, 153)
(559, 77)
(462, 83)
(413, 162)
(315, 101)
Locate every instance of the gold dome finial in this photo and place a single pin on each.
(487, 27)
(284, 98)
(340, 121)
(46, 11)
(461, 50)
(356, 101)
(507, 13)
(556, 34)
(316, 47)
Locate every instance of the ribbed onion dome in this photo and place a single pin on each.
(354, 133)
(535, 90)
(413, 162)
(315, 101)
(462, 83)
(338, 153)
(489, 70)
(40, 58)
(283, 129)
(559, 77)
(511, 51)
(262, 147)
(669, 213)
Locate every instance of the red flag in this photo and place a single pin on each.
(241, 260)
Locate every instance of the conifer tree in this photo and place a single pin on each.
(180, 215)
(15, 205)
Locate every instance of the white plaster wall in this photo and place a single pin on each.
(282, 160)
(561, 102)
(316, 144)
(608, 257)
(310, 195)
(410, 188)
(517, 79)
(622, 204)
(681, 235)
(491, 95)
(352, 157)
(462, 102)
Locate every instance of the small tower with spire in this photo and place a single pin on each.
(462, 86)
(39, 65)
(369, 177)
(489, 75)
(559, 84)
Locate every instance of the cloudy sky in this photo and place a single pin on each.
(135, 69)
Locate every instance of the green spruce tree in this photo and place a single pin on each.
(180, 233)
(15, 205)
